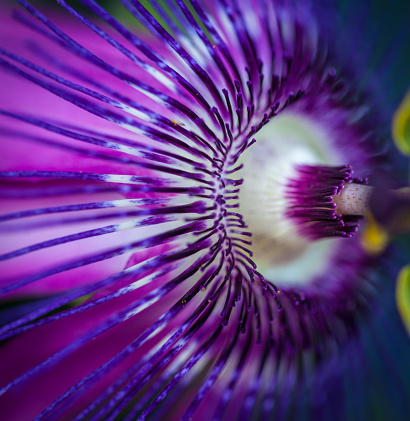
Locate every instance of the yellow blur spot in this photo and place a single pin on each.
(176, 123)
(401, 126)
(374, 238)
(403, 296)
(81, 300)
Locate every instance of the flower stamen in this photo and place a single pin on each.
(310, 201)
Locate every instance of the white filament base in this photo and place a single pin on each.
(353, 199)
(282, 255)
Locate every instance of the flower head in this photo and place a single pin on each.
(178, 244)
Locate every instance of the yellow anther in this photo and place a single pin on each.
(374, 238)
(403, 296)
(401, 126)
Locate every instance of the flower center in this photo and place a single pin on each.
(291, 176)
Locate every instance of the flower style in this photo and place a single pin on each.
(176, 244)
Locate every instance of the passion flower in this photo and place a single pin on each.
(181, 214)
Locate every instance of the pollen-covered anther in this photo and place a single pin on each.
(312, 201)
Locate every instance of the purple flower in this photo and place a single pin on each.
(175, 242)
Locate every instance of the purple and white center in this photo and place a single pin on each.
(291, 199)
